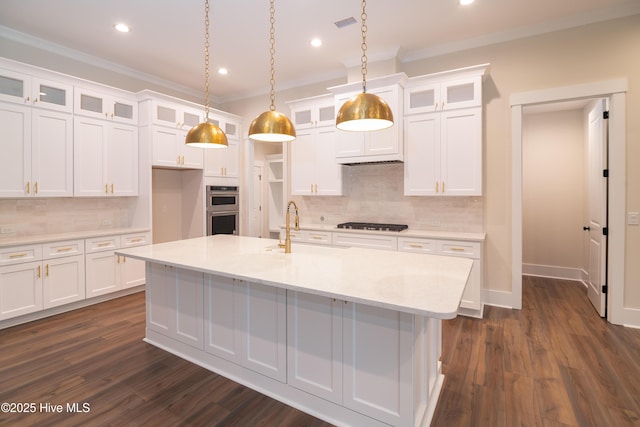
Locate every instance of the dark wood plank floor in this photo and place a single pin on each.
(553, 363)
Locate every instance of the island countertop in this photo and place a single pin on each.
(426, 285)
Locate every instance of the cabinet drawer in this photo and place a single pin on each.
(365, 241)
(457, 248)
(135, 239)
(424, 246)
(100, 244)
(317, 237)
(62, 249)
(20, 254)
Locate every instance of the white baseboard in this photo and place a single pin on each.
(495, 298)
(565, 273)
(631, 318)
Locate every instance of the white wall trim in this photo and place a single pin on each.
(615, 90)
(495, 298)
(554, 272)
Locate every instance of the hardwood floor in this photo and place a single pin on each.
(553, 363)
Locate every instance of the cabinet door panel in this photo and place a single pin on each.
(328, 172)
(422, 155)
(378, 363)
(52, 153)
(303, 163)
(164, 147)
(64, 281)
(262, 328)
(461, 150)
(20, 289)
(102, 274)
(386, 141)
(15, 146)
(220, 317)
(133, 272)
(188, 297)
(89, 151)
(160, 310)
(314, 345)
(123, 159)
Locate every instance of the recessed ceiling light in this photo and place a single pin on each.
(123, 28)
(316, 42)
(223, 71)
(465, 2)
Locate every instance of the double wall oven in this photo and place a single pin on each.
(223, 210)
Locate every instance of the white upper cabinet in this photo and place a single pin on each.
(105, 105)
(376, 146)
(312, 155)
(33, 91)
(461, 88)
(224, 163)
(444, 153)
(105, 158)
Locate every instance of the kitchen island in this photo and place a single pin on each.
(352, 336)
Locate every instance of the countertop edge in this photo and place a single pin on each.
(73, 235)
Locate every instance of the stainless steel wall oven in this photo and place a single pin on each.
(223, 210)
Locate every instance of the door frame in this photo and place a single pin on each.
(615, 91)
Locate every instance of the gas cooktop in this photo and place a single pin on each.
(373, 226)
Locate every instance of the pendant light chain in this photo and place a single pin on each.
(272, 52)
(363, 59)
(206, 61)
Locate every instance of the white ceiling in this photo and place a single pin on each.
(166, 42)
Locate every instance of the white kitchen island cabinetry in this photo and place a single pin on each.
(312, 156)
(363, 342)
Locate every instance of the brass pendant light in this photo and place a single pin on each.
(272, 126)
(206, 135)
(365, 111)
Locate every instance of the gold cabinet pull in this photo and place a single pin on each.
(316, 237)
(106, 188)
(443, 186)
(136, 240)
(118, 259)
(103, 244)
(14, 256)
(111, 188)
(64, 249)
(415, 245)
(46, 270)
(457, 249)
(35, 186)
(28, 187)
(312, 188)
(316, 188)
(39, 272)
(178, 160)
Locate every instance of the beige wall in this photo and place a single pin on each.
(587, 54)
(554, 189)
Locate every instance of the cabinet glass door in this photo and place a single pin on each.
(52, 95)
(14, 87)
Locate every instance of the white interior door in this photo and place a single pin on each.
(598, 163)
(255, 210)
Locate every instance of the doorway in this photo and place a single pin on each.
(615, 91)
(564, 194)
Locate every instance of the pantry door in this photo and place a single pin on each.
(598, 197)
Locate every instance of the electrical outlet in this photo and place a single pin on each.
(632, 218)
(7, 229)
(106, 222)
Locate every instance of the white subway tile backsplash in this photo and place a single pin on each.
(377, 195)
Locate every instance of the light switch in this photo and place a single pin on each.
(632, 218)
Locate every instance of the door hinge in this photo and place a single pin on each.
(605, 231)
(605, 114)
(605, 173)
(605, 289)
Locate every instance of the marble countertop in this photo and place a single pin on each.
(56, 237)
(424, 234)
(426, 285)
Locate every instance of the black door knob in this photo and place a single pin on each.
(587, 228)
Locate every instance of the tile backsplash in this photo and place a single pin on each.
(31, 217)
(376, 195)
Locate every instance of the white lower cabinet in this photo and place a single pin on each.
(245, 323)
(314, 345)
(175, 303)
(355, 355)
(107, 272)
(370, 241)
(20, 289)
(63, 273)
(471, 298)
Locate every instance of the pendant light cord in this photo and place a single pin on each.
(272, 52)
(363, 59)
(206, 61)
